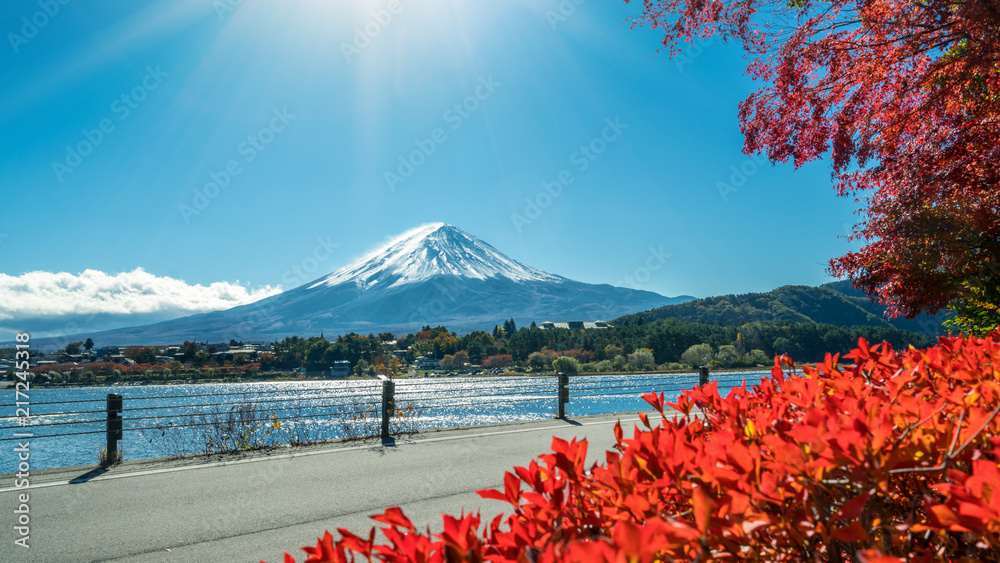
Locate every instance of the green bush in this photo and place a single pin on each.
(642, 359)
(565, 364)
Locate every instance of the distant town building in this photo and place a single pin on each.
(231, 353)
(428, 362)
(121, 359)
(105, 351)
(340, 368)
(580, 325)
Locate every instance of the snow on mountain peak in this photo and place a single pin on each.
(434, 249)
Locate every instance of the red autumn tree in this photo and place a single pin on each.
(904, 96)
(497, 361)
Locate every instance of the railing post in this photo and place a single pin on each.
(388, 404)
(703, 375)
(114, 430)
(563, 396)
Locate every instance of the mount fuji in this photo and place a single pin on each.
(435, 274)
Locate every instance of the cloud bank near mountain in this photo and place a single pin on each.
(48, 304)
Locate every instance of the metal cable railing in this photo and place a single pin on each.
(230, 393)
(374, 401)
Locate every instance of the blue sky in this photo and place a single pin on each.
(302, 118)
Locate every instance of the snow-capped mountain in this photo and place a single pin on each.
(432, 250)
(435, 274)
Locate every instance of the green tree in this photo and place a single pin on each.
(611, 351)
(727, 355)
(479, 345)
(73, 348)
(88, 345)
(509, 327)
(475, 351)
(316, 355)
(783, 345)
(200, 358)
(189, 349)
(536, 361)
(642, 359)
(759, 357)
(697, 355)
(565, 364)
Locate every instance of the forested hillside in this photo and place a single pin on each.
(836, 303)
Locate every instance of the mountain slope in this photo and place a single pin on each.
(433, 250)
(436, 274)
(836, 303)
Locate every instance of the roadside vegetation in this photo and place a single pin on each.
(249, 425)
(892, 459)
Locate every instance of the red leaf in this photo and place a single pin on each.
(395, 517)
(324, 551)
(853, 532)
(702, 506)
(853, 508)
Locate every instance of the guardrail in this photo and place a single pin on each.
(383, 401)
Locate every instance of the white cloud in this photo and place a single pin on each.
(129, 298)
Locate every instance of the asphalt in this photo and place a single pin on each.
(254, 506)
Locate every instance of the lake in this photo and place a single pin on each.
(68, 424)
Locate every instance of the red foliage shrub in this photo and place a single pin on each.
(892, 459)
(580, 355)
(498, 361)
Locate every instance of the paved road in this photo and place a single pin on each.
(254, 507)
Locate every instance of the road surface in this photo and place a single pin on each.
(253, 507)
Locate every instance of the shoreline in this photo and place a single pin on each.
(8, 384)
